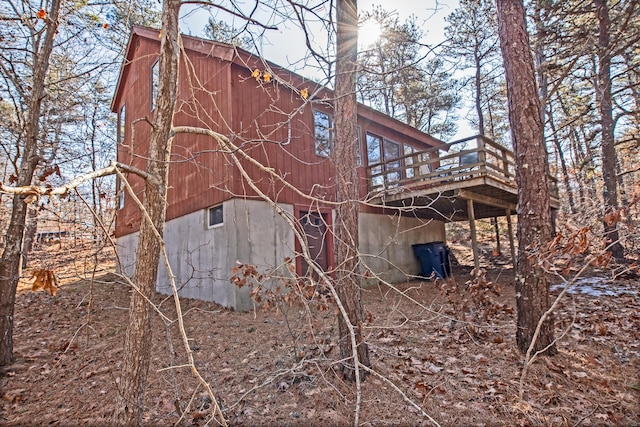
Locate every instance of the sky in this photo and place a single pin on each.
(286, 45)
(287, 41)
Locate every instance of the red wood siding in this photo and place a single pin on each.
(135, 93)
(269, 121)
(199, 176)
(261, 114)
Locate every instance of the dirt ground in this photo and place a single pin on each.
(278, 367)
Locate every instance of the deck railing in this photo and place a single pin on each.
(473, 157)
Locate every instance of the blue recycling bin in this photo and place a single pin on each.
(433, 258)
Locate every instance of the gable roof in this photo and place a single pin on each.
(243, 58)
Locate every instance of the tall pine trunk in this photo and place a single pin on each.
(346, 226)
(10, 264)
(610, 188)
(534, 220)
(137, 351)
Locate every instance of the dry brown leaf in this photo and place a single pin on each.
(45, 280)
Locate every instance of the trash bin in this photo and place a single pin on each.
(433, 258)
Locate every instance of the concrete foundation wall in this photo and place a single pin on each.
(253, 233)
(385, 243)
(202, 258)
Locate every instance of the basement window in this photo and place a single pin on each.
(216, 216)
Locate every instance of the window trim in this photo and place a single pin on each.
(208, 216)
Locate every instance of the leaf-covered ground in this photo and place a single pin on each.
(447, 347)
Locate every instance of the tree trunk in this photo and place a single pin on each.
(543, 90)
(610, 188)
(346, 226)
(137, 350)
(10, 265)
(633, 77)
(31, 224)
(563, 163)
(96, 203)
(478, 87)
(579, 158)
(534, 221)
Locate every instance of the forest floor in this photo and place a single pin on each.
(278, 367)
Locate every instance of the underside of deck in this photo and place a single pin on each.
(466, 180)
(449, 201)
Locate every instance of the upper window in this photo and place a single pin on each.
(408, 161)
(121, 124)
(384, 156)
(392, 161)
(155, 78)
(216, 216)
(374, 155)
(323, 128)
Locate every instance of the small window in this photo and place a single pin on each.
(121, 200)
(121, 124)
(119, 194)
(155, 78)
(359, 146)
(323, 127)
(216, 216)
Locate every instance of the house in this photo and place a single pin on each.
(283, 122)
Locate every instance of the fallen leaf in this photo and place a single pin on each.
(46, 280)
(435, 369)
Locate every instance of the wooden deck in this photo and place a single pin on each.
(467, 179)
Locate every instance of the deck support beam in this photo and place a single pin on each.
(496, 228)
(474, 237)
(511, 240)
(485, 200)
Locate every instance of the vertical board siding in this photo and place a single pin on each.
(268, 120)
(198, 176)
(135, 147)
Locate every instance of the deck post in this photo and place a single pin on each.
(496, 228)
(511, 241)
(474, 237)
(481, 149)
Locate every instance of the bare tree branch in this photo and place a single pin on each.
(33, 190)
